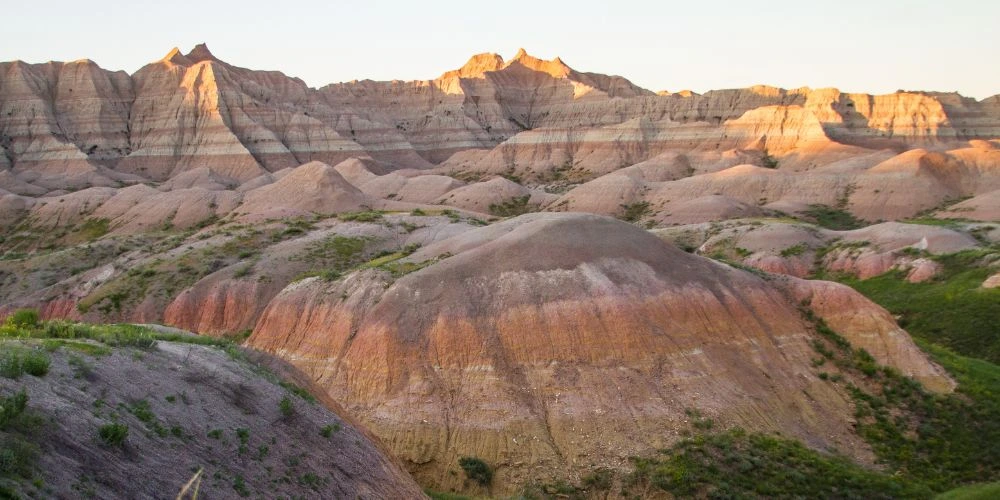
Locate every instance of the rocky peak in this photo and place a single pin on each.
(477, 66)
(201, 53)
(555, 68)
(176, 57)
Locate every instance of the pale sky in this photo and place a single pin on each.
(875, 46)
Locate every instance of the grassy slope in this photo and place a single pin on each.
(951, 310)
(985, 491)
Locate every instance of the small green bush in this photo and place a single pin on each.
(477, 470)
(36, 363)
(23, 318)
(794, 250)
(286, 407)
(633, 212)
(113, 434)
(11, 407)
(17, 361)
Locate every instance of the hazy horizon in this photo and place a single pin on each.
(855, 46)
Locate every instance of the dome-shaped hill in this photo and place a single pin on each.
(311, 188)
(552, 343)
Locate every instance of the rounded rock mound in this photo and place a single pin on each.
(554, 343)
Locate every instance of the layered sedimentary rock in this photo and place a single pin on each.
(554, 343)
(541, 122)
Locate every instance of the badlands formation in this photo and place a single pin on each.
(492, 263)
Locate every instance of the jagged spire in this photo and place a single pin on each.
(175, 57)
(200, 53)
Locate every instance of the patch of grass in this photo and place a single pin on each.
(986, 491)
(794, 250)
(286, 407)
(334, 255)
(113, 434)
(240, 486)
(768, 161)
(951, 310)
(443, 495)
(634, 212)
(513, 207)
(476, 469)
(16, 361)
(363, 216)
(937, 441)
(22, 318)
(215, 433)
(88, 348)
(12, 407)
(19, 431)
(93, 228)
(298, 391)
(735, 464)
(328, 430)
(832, 218)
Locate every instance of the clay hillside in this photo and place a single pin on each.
(516, 279)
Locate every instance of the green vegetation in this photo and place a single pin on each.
(113, 434)
(298, 391)
(240, 485)
(735, 464)
(19, 429)
(364, 216)
(476, 470)
(114, 335)
(832, 218)
(768, 161)
(22, 318)
(986, 491)
(634, 212)
(937, 441)
(328, 430)
(794, 250)
(443, 495)
(93, 228)
(286, 407)
(16, 361)
(12, 407)
(950, 310)
(513, 207)
(335, 255)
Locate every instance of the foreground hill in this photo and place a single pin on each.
(140, 417)
(550, 344)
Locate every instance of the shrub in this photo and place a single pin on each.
(328, 430)
(16, 361)
(365, 216)
(113, 434)
(36, 363)
(794, 250)
(633, 212)
(23, 318)
(11, 407)
(286, 407)
(477, 470)
(600, 479)
(832, 218)
(513, 207)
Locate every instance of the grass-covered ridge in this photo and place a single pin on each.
(950, 310)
